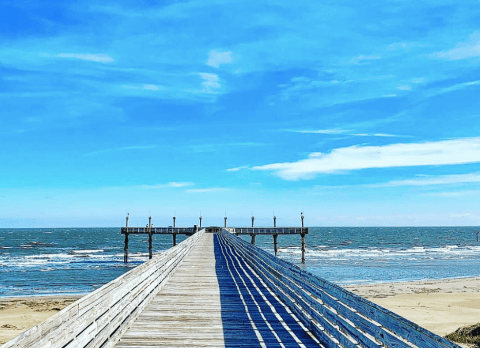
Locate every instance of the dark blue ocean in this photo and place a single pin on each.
(80, 260)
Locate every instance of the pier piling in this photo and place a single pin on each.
(125, 249)
(150, 245)
(275, 243)
(303, 247)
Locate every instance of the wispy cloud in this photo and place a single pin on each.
(118, 149)
(463, 50)
(433, 180)
(322, 131)
(453, 193)
(237, 168)
(172, 184)
(447, 152)
(210, 83)
(100, 58)
(206, 190)
(360, 58)
(146, 87)
(346, 132)
(217, 58)
(458, 86)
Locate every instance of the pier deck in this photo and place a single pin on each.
(215, 300)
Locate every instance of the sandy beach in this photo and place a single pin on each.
(441, 306)
(19, 314)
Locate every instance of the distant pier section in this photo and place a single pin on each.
(252, 231)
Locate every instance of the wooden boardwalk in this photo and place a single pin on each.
(215, 300)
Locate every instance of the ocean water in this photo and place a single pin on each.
(80, 260)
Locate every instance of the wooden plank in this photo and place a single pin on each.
(201, 306)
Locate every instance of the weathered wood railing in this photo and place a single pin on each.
(100, 318)
(336, 316)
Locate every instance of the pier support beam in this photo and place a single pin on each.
(275, 243)
(125, 249)
(150, 245)
(253, 239)
(174, 236)
(303, 247)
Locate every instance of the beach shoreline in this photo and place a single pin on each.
(441, 306)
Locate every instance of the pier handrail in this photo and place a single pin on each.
(333, 314)
(100, 318)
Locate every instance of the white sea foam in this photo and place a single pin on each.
(413, 253)
(87, 251)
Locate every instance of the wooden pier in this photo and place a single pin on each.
(217, 290)
(174, 231)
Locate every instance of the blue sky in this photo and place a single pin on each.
(357, 113)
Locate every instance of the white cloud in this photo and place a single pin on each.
(170, 184)
(433, 180)
(217, 58)
(464, 50)
(384, 135)
(323, 131)
(237, 168)
(454, 193)
(151, 87)
(147, 87)
(342, 131)
(101, 58)
(447, 152)
(362, 57)
(206, 190)
(404, 88)
(210, 83)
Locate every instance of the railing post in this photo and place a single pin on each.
(275, 243)
(125, 249)
(174, 236)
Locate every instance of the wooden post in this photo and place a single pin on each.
(174, 235)
(125, 249)
(253, 238)
(150, 245)
(303, 247)
(275, 243)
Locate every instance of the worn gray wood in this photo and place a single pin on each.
(101, 317)
(206, 303)
(345, 316)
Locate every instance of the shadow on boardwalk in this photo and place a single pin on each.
(250, 313)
